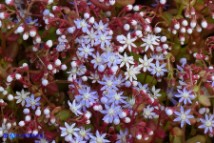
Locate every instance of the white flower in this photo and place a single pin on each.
(125, 60)
(75, 108)
(150, 41)
(131, 72)
(73, 73)
(155, 92)
(90, 37)
(21, 96)
(149, 113)
(127, 41)
(94, 77)
(207, 123)
(130, 103)
(69, 131)
(145, 63)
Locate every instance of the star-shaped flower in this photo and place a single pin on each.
(183, 116)
(127, 41)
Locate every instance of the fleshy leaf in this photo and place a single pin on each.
(198, 138)
(125, 2)
(204, 100)
(63, 115)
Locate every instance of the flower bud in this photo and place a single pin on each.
(126, 27)
(9, 78)
(129, 7)
(25, 36)
(32, 32)
(163, 2)
(38, 112)
(204, 24)
(157, 29)
(112, 2)
(45, 82)
(49, 43)
(21, 123)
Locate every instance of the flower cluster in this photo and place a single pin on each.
(107, 71)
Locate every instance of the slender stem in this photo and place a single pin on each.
(98, 4)
(76, 8)
(184, 134)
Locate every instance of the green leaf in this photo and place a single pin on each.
(177, 140)
(146, 78)
(204, 100)
(63, 115)
(125, 2)
(198, 138)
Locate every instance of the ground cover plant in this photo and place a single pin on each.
(107, 71)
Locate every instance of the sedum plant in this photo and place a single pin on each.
(107, 71)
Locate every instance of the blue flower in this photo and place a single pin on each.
(119, 80)
(122, 137)
(115, 97)
(97, 60)
(104, 39)
(84, 133)
(141, 87)
(100, 26)
(99, 138)
(86, 97)
(82, 24)
(90, 37)
(75, 108)
(108, 83)
(183, 116)
(185, 96)
(207, 123)
(157, 69)
(29, 20)
(111, 59)
(112, 114)
(85, 51)
(32, 102)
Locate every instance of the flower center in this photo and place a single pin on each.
(147, 112)
(146, 64)
(208, 123)
(82, 24)
(183, 116)
(99, 140)
(101, 27)
(128, 41)
(70, 131)
(32, 102)
(158, 69)
(185, 95)
(86, 96)
(102, 38)
(130, 72)
(117, 97)
(109, 83)
(83, 133)
(98, 59)
(86, 50)
(111, 112)
(112, 59)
